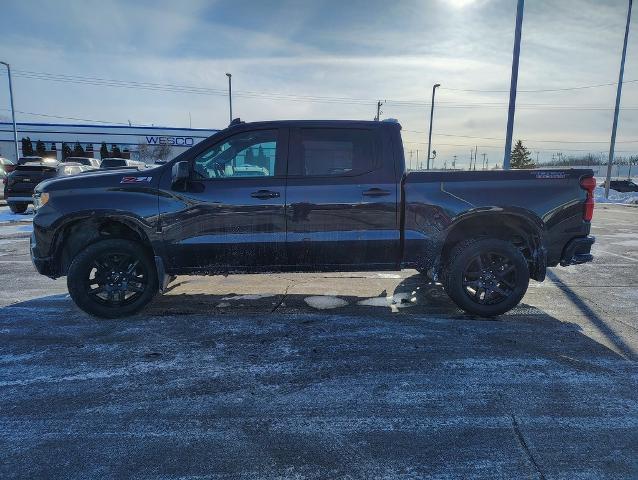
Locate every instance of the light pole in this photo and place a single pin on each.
(513, 84)
(614, 127)
(13, 113)
(434, 87)
(230, 97)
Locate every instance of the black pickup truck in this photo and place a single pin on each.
(308, 196)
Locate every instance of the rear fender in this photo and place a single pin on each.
(502, 223)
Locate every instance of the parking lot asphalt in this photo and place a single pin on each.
(348, 375)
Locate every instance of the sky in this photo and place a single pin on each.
(327, 59)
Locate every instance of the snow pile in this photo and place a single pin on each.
(325, 302)
(615, 197)
(6, 216)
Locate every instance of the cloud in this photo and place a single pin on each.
(359, 49)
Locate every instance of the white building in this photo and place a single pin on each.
(149, 143)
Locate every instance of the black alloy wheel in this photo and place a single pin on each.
(489, 278)
(116, 279)
(486, 276)
(112, 278)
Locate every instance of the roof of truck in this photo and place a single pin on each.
(389, 123)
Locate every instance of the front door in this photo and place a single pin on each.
(230, 215)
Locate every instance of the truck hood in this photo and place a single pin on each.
(102, 179)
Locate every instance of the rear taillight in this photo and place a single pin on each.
(588, 184)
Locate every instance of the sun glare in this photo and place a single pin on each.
(460, 3)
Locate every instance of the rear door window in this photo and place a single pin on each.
(328, 152)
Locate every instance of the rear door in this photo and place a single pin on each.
(231, 213)
(342, 198)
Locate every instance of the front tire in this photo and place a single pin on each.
(486, 277)
(18, 207)
(112, 278)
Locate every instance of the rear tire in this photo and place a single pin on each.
(486, 276)
(112, 278)
(18, 207)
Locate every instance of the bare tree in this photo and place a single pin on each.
(152, 154)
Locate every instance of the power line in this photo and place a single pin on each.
(525, 139)
(176, 88)
(541, 90)
(501, 146)
(46, 115)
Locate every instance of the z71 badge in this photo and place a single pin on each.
(136, 179)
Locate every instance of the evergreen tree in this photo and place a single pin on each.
(521, 157)
(27, 147)
(40, 148)
(104, 150)
(115, 151)
(66, 151)
(78, 151)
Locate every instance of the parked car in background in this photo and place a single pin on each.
(71, 168)
(32, 158)
(87, 161)
(19, 185)
(112, 162)
(7, 166)
(622, 186)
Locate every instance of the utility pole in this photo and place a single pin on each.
(475, 156)
(483, 160)
(411, 152)
(434, 87)
(471, 156)
(13, 113)
(230, 97)
(614, 127)
(417, 156)
(379, 112)
(454, 163)
(513, 84)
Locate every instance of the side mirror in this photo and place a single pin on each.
(180, 173)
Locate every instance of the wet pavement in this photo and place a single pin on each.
(347, 375)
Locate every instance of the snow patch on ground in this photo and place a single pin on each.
(325, 302)
(6, 216)
(615, 197)
(394, 302)
(13, 228)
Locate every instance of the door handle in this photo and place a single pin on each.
(264, 194)
(376, 192)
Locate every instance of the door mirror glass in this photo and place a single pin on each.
(180, 173)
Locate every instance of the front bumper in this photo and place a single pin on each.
(44, 265)
(18, 199)
(577, 251)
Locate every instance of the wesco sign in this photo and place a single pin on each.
(173, 141)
